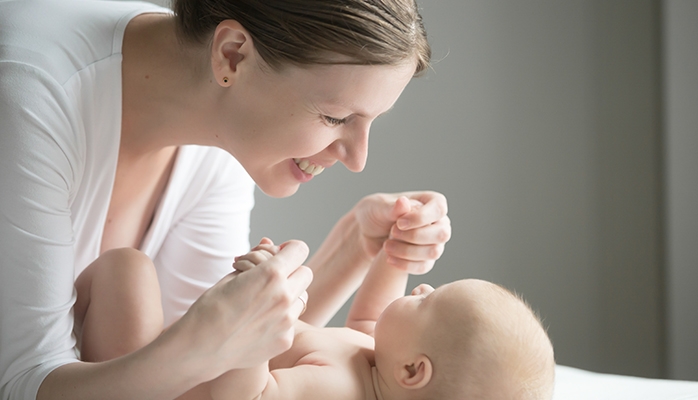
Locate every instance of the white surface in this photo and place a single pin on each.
(577, 384)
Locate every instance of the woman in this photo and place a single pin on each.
(117, 122)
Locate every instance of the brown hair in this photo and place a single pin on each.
(306, 32)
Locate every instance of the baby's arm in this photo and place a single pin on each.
(383, 284)
(306, 381)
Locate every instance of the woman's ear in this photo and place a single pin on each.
(231, 45)
(415, 374)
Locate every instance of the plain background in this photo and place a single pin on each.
(565, 136)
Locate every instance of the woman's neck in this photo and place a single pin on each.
(165, 88)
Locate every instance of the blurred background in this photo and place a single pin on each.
(565, 137)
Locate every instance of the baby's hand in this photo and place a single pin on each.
(262, 252)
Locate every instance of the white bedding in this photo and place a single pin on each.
(577, 384)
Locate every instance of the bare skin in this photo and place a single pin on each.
(138, 188)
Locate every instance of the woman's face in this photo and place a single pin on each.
(285, 127)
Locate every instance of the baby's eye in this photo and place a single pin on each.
(333, 121)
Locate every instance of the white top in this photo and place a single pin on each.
(60, 116)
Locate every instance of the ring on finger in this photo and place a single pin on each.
(305, 305)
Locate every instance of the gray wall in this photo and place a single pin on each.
(681, 160)
(540, 122)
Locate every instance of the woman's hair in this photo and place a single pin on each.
(307, 32)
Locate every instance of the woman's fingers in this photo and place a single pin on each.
(290, 257)
(437, 232)
(411, 252)
(249, 317)
(434, 207)
(411, 267)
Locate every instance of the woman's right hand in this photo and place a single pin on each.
(248, 317)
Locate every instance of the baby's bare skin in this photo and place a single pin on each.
(339, 359)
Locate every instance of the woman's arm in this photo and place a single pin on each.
(339, 267)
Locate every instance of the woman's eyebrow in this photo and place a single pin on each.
(358, 113)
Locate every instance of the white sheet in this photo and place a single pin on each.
(577, 384)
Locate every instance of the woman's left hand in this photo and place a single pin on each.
(411, 227)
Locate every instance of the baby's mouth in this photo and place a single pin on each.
(308, 167)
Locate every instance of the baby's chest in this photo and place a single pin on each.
(340, 348)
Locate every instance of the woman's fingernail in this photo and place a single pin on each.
(403, 223)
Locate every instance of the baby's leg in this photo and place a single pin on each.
(118, 308)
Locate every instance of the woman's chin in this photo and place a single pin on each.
(277, 190)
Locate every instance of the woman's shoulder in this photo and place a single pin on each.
(63, 37)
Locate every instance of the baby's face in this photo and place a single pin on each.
(405, 320)
(470, 301)
(471, 320)
(406, 312)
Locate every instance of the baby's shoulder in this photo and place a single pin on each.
(336, 342)
(339, 347)
(350, 336)
(338, 357)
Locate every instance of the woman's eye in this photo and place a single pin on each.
(334, 121)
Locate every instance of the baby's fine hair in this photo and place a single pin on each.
(308, 32)
(470, 348)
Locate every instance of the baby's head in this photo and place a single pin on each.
(469, 339)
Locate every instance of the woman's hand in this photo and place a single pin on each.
(248, 317)
(412, 228)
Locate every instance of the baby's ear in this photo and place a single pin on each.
(416, 374)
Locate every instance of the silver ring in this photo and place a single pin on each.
(305, 305)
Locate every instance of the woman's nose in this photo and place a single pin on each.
(356, 149)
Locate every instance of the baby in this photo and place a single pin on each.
(468, 339)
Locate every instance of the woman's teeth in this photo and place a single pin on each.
(307, 167)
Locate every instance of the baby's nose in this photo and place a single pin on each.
(422, 289)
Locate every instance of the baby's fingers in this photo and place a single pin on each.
(243, 265)
(267, 245)
(251, 259)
